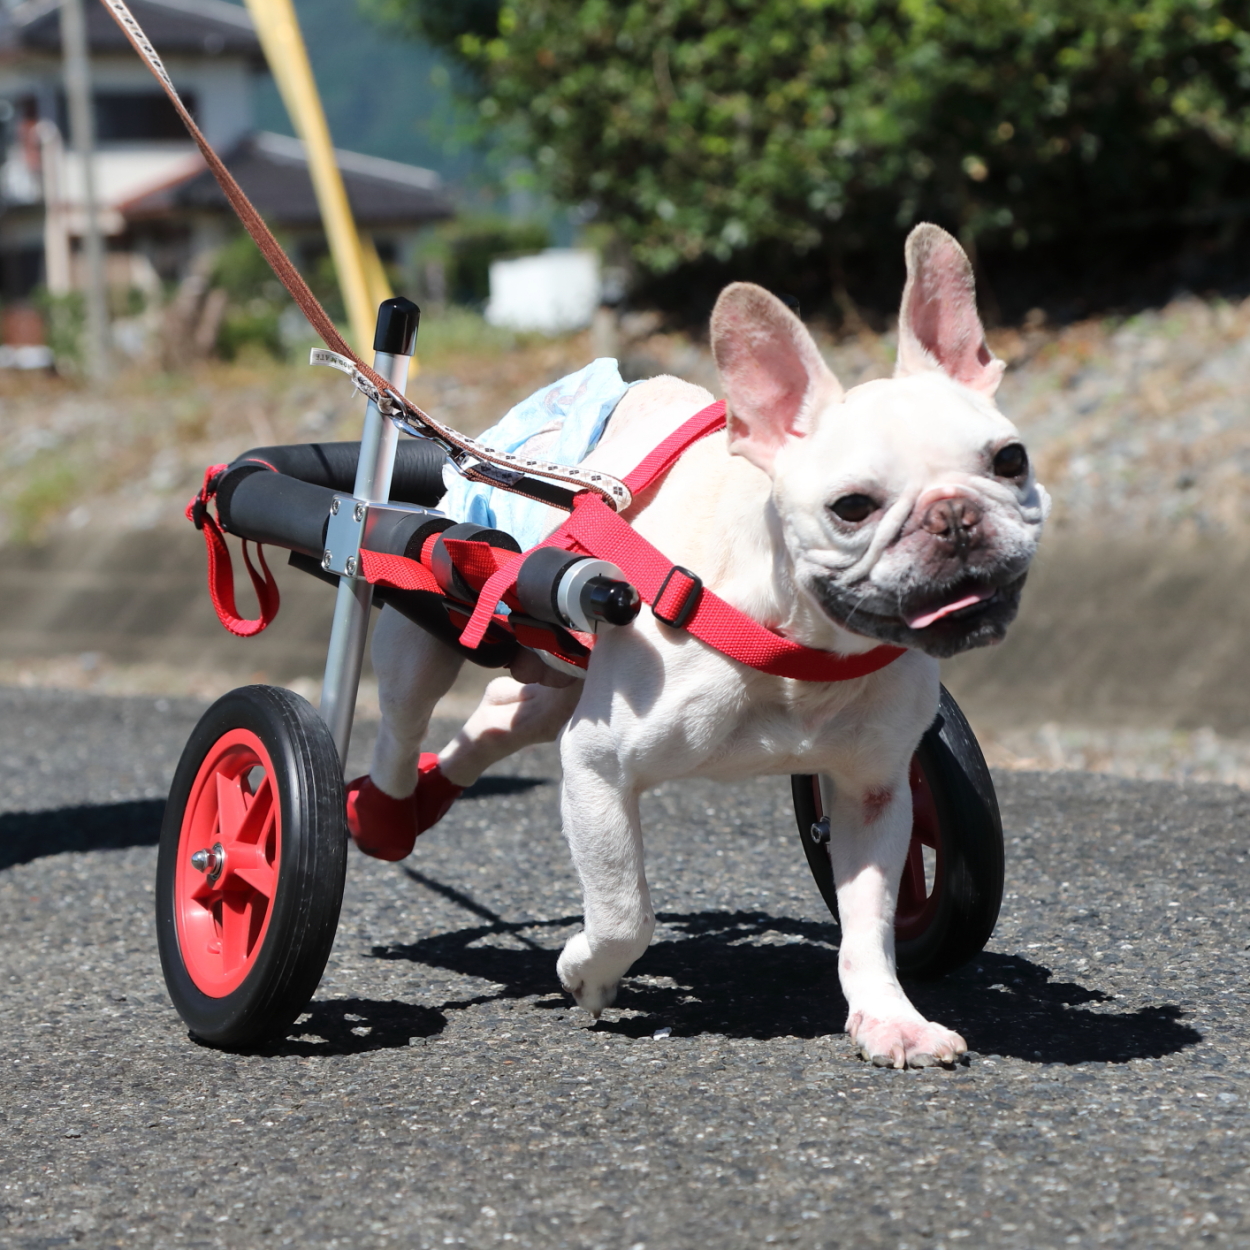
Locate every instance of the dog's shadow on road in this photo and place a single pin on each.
(751, 974)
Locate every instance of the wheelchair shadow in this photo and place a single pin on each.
(354, 1026)
(27, 836)
(753, 975)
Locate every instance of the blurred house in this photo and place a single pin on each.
(160, 207)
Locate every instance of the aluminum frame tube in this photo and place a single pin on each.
(348, 634)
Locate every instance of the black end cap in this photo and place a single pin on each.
(396, 332)
(616, 602)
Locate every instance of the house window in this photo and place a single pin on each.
(133, 116)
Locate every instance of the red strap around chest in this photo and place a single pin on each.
(676, 595)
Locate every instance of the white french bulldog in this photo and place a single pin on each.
(903, 511)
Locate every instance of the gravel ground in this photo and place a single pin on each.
(442, 1092)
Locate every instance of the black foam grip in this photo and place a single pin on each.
(273, 508)
(418, 476)
(538, 579)
(403, 534)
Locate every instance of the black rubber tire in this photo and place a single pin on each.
(970, 884)
(304, 911)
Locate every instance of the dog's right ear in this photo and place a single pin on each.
(938, 326)
(775, 380)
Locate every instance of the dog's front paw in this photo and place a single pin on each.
(594, 987)
(904, 1041)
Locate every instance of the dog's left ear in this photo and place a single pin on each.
(938, 326)
(775, 380)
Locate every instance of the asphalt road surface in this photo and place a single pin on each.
(441, 1090)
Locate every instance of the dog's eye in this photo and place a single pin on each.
(853, 508)
(1012, 461)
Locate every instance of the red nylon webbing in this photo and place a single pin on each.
(500, 582)
(658, 462)
(596, 530)
(221, 573)
(398, 572)
(601, 533)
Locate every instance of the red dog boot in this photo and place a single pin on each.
(387, 828)
(435, 794)
(381, 826)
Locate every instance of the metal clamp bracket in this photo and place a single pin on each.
(345, 531)
(350, 525)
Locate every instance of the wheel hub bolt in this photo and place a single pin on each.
(210, 862)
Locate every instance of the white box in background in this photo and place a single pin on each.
(556, 291)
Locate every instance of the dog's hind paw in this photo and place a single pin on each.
(592, 990)
(904, 1043)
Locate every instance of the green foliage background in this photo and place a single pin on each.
(383, 96)
(807, 133)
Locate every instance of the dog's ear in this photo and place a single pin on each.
(938, 326)
(775, 380)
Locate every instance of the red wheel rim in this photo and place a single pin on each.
(917, 902)
(223, 902)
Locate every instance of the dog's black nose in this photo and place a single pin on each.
(953, 521)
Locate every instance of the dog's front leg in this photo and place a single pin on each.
(599, 805)
(870, 829)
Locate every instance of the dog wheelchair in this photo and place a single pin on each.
(253, 848)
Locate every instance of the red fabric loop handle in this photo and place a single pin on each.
(497, 585)
(221, 571)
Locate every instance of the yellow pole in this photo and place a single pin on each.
(283, 44)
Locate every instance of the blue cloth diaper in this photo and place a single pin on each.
(563, 422)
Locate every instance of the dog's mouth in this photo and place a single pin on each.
(974, 612)
(961, 602)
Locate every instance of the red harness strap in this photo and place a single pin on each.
(220, 572)
(677, 596)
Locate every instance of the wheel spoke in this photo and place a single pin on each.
(248, 870)
(259, 815)
(235, 930)
(231, 807)
(255, 881)
(911, 888)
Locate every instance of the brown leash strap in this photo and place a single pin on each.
(516, 474)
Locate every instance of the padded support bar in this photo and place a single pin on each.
(418, 474)
(284, 512)
(273, 508)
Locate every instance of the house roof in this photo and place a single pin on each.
(196, 27)
(273, 171)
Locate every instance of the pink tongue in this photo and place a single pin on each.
(926, 619)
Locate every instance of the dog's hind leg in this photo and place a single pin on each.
(870, 829)
(510, 716)
(390, 807)
(414, 670)
(599, 805)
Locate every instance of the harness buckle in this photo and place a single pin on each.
(683, 605)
